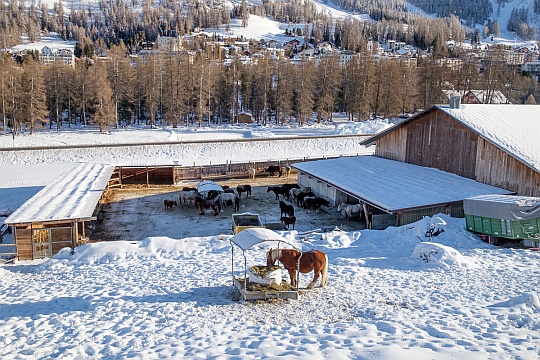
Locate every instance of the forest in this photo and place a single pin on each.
(196, 85)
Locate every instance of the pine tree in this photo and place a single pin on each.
(32, 100)
(104, 111)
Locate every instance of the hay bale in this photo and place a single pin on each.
(265, 275)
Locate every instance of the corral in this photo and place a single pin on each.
(134, 213)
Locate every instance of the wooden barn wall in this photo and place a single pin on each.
(23, 239)
(393, 145)
(151, 175)
(436, 140)
(495, 167)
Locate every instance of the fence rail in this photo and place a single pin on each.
(172, 174)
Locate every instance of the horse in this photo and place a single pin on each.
(169, 204)
(251, 173)
(213, 204)
(212, 194)
(293, 193)
(305, 262)
(300, 197)
(233, 198)
(350, 209)
(288, 210)
(277, 191)
(272, 169)
(244, 189)
(287, 169)
(288, 188)
(188, 196)
(288, 220)
(315, 202)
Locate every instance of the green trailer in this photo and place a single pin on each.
(504, 216)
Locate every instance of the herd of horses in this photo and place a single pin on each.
(214, 200)
(292, 260)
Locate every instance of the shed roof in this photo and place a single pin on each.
(393, 185)
(512, 128)
(72, 196)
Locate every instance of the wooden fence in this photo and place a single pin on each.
(172, 174)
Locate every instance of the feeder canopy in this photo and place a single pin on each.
(208, 185)
(245, 239)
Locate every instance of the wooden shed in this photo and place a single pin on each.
(492, 144)
(55, 217)
(244, 118)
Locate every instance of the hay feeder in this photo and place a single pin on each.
(263, 282)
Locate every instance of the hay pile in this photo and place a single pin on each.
(263, 270)
(250, 286)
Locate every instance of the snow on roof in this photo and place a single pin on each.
(73, 195)
(394, 185)
(245, 239)
(513, 128)
(497, 97)
(508, 207)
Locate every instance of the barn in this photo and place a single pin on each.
(392, 193)
(496, 145)
(55, 217)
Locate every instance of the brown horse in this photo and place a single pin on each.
(213, 204)
(313, 260)
(169, 204)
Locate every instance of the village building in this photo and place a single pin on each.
(476, 96)
(532, 67)
(169, 43)
(48, 56)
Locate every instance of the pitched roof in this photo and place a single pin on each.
(72, 196)
(497, 97)
(383, 182)
(512, 128)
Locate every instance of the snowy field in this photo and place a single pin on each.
(390, 295)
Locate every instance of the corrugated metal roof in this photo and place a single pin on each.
(394, 185)
(73, 195)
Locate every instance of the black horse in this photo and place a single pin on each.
(287, 210)
(300, 197)
(272, 169)
(278, 190)
(291, 220)
(244, 189)
(288, 188)
(315, 203)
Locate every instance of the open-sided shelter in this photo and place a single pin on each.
(392, 193)
(55, 217)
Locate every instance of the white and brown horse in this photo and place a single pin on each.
(203, 204)
(305, 262)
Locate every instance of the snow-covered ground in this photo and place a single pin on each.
(391, 294)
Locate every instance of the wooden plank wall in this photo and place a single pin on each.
(23, 239)
(496, 167)
(438, 141)
(393, 145)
